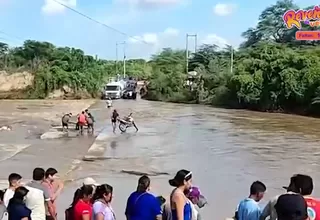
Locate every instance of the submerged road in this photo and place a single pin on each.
(226, 150)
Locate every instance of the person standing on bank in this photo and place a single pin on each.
(142, 205)
(81, 207)
(102, 198)
(180, 204)
(248, 208)
(39, 200)
(17, 209)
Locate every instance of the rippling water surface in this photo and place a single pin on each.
(226, 150)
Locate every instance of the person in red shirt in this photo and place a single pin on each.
(82, 121)
(81, 207)
(303, 184)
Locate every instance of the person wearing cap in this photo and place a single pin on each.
(303, 185)
(299, 184)
(142, 205)
(197, 200)
(90, 182)
(180, 205)
(291, 207)
(248, 209)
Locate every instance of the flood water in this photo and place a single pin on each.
(225, 149)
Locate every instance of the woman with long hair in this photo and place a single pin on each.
(142, 205)
(180, 205)
(102, 198)
(81, 207)
(17, 209)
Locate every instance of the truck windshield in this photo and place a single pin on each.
(112, 88)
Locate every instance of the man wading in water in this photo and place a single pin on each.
(90, 122)
(81, 121)
(114, 118)
(65, 121)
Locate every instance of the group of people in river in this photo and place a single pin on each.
(85, 118)
(36, 200)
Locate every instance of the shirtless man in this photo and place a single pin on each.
(65, 121)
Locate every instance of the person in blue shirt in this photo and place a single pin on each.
(141, 205)
(248, 209)
(17, 209)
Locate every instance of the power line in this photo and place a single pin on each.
(12, 36)
(98, 22)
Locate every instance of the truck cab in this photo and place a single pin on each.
(113, 90)
(130, 90)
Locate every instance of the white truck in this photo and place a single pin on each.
(114, 90)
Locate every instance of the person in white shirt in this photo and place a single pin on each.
(3, 209)
(14, 182)
(39, 197)
(109, 102)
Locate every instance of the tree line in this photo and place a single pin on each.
(271, 70)
(55, 67)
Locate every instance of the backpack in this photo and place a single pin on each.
(69, 214)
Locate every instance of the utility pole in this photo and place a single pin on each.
(187, 48)
(231, 59)
(124, 57)
(117, 58)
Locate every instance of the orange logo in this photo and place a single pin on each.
(294, 18)
(309, 17)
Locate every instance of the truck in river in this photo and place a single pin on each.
(114, 90)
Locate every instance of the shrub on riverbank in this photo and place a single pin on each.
(271, 70)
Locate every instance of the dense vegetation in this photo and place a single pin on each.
(271, 70)
(55, 67)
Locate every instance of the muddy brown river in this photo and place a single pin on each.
(225, 149)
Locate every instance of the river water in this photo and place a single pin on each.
(225, 149)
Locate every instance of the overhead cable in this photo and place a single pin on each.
(98, 22)
(11, 36)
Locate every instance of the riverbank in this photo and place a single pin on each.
(299, 112)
